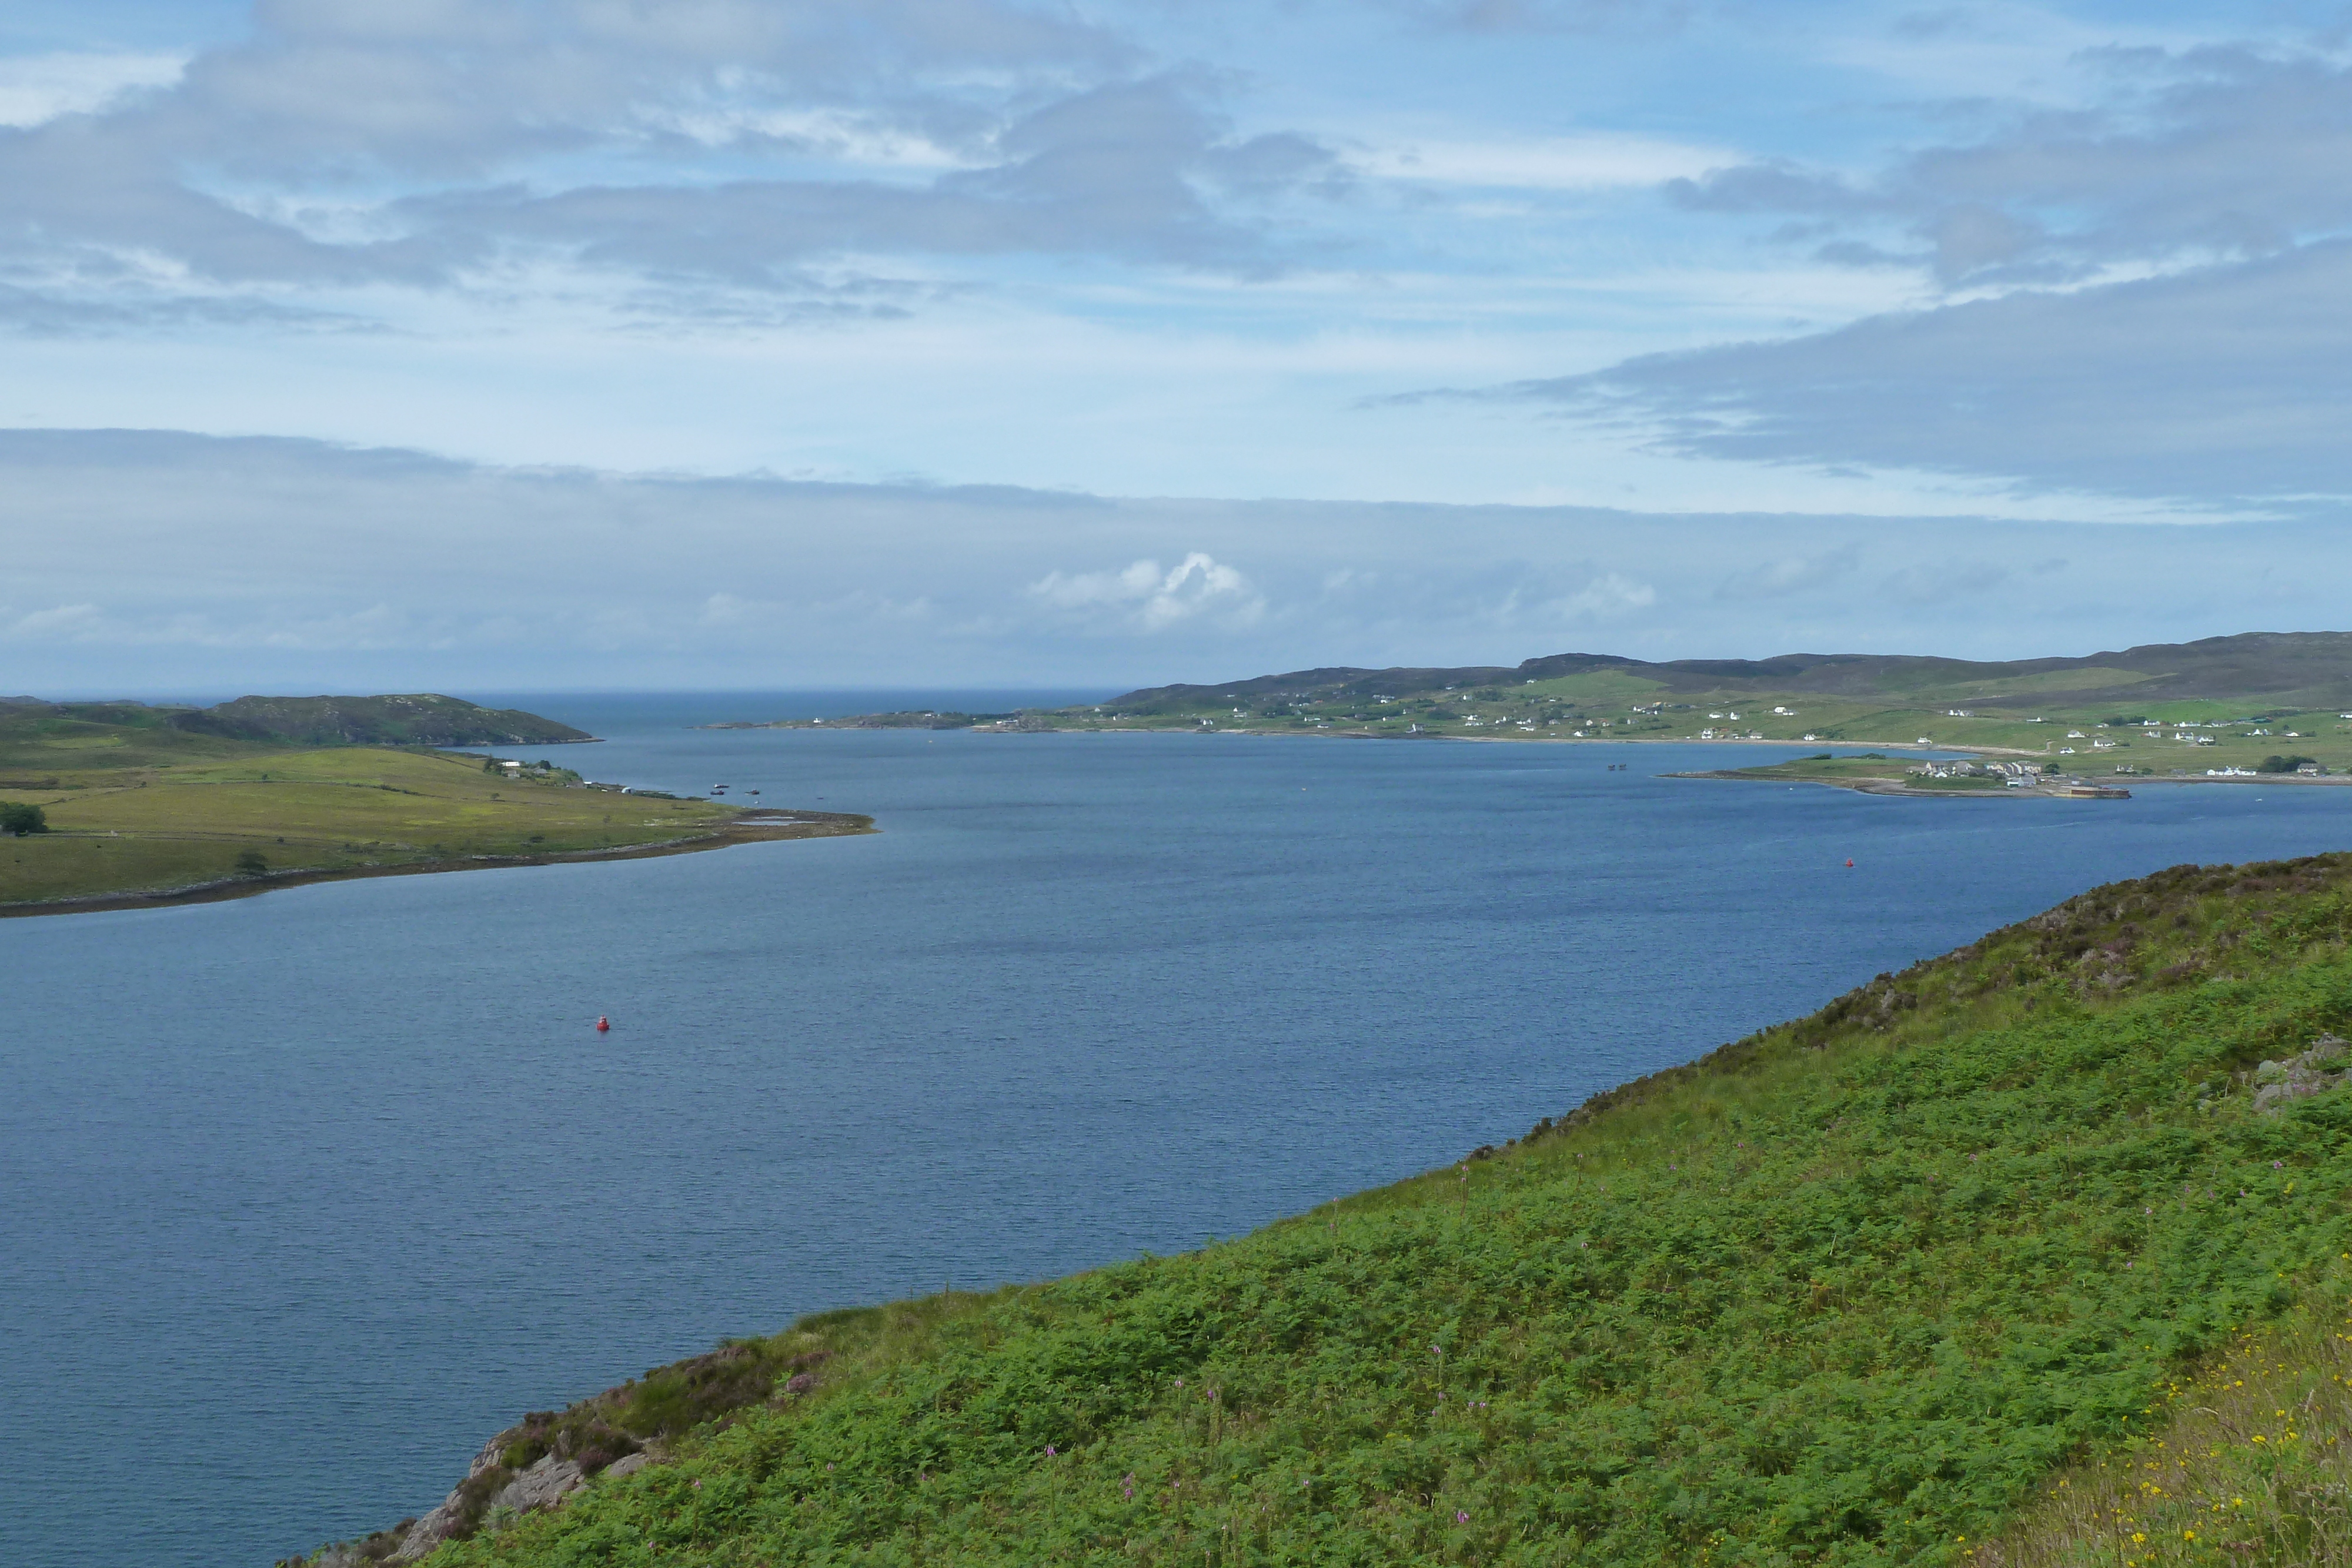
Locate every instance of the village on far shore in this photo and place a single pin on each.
(2262, 707)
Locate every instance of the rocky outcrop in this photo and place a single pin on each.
(2277, 1084)
(627, 1465)
(451, 1519)
(544, 1485)
(551, 1454)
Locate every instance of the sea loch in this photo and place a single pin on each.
(307, 1194)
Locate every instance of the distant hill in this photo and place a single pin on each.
(2289, 669)
(420, 719)
(75, 736)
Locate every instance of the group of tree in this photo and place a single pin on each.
(18, 818)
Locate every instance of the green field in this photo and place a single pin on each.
(1995, 1260)
(144, 824)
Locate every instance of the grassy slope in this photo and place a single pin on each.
(2249, 1468)
(1848, 1291)
(174, 810)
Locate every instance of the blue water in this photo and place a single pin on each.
(302, 1197)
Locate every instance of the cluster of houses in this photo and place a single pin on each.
(2015, 773)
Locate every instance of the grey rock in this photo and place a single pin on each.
(544, 1485)
(435, 1527)
(627, 1465)
(2299, 1077)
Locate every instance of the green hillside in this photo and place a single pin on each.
(2164, 709)
(40, 738)
(2285, 669)
(2226, 706)
(1897, 1282)
(423, 718)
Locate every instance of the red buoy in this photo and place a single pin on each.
(1849, 865)
(602, 1023)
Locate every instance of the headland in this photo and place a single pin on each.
(108, 806)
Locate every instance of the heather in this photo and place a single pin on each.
(1860, 1289)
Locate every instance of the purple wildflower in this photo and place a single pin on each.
(1460, 1517)
(1049, 1450)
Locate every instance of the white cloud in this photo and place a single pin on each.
(1152, 598)
(1595, 162)
(1790, 575)
(1609, 595)
(38, 87)
(66, 620)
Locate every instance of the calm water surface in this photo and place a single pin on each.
(304, 1196)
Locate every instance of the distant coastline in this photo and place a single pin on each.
(805, 825)
(2259, 704)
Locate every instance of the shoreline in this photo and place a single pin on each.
(806, 825)
(2122, 780)
(2058, 791)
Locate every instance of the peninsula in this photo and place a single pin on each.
(2275, 705)
(2033, 1253)
(122, 805)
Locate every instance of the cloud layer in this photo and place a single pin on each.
(2224, 386)
(354, 142)
(162, 562)
(2138, 298)
(2030, 262)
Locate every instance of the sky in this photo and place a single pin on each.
(548, 344)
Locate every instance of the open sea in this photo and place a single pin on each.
(302, 1197)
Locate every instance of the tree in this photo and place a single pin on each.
(18, 818)
(489, 765)
(250, 863)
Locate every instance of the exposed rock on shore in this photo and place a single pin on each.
(539, 1463)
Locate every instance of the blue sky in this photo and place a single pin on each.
(770, 342)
